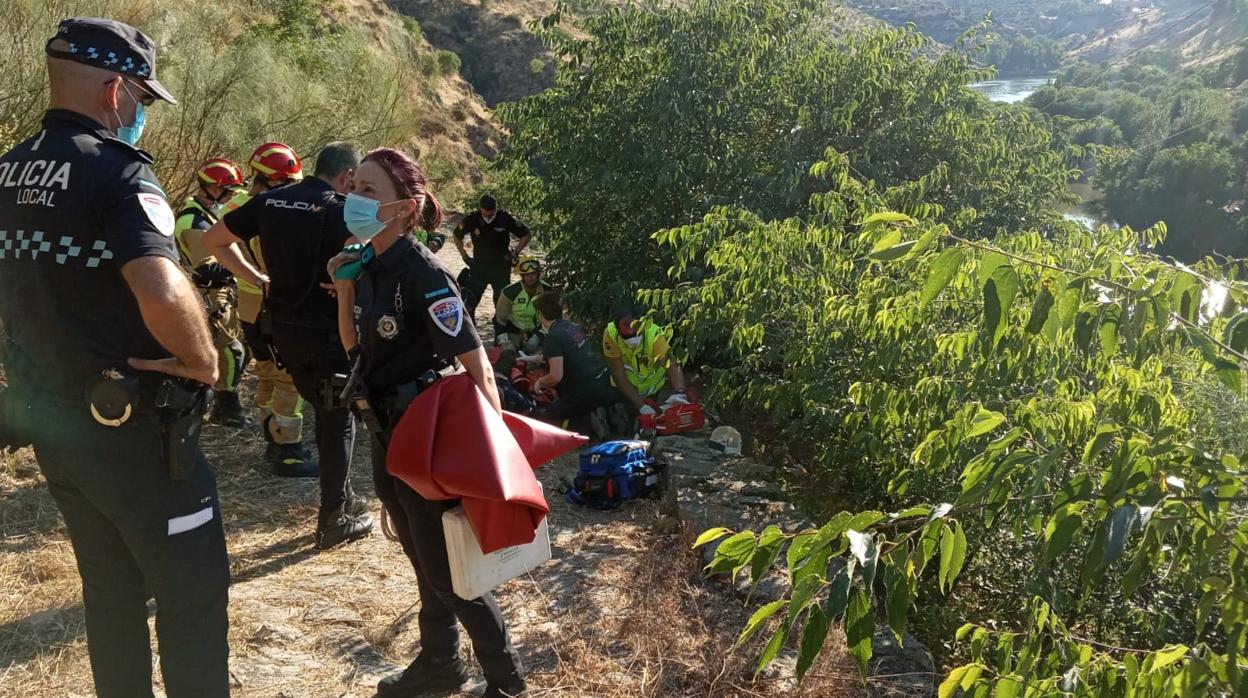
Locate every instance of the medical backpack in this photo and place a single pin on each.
(614, 472)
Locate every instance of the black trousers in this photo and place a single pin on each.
(137, 534)
(575, 402)
(496, 274)
(313, 356)
(418, 522)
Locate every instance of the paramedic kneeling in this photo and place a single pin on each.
(639, 354)
(576, 370)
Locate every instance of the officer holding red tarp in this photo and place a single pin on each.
(412, 327)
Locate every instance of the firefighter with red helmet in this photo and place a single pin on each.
(279, 408)
(217, 180)
(299, 228)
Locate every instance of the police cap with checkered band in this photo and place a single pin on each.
(110, 45)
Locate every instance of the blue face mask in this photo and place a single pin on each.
(131, 134)
(360, 215)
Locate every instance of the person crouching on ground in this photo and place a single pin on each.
(639, 354)
(576, 370)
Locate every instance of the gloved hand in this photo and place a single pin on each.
(211, 275)
(679, 398)
(648, 410)
(529, 358)
(348, 264)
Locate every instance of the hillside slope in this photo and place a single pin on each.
(502, 59)
(1200, 33)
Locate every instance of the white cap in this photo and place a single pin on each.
(727, 440)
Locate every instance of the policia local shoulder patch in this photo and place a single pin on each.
(448, 315)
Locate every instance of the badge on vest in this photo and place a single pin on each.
(448, 315)
(388, 327)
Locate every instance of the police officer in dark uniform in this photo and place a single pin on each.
(300, 227)
(412, 328)
(109, 362)
(491, 231)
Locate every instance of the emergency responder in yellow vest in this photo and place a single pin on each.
(514, 311)
(638, 353)
(279, 407)
(217, 181)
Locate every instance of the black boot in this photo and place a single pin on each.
(291, 460)
(426, 676)
(511, 690)
(227, 411)
(356, 506)
(340, 526)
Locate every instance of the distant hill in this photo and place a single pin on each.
(945, 20)
(1199, 33)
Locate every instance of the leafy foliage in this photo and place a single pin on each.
(659, 116)
(1017, 403)
(1018, 54)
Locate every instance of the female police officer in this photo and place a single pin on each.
(410, 324)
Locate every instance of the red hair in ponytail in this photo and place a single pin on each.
(410, 183)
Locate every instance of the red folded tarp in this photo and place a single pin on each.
(450, 444)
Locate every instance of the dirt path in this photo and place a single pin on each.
(620, 611)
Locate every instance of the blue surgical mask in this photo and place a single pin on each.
(132, 133)
(360, 215)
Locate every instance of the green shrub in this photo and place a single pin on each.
(661, 115)
(242, 76)
(448, 63)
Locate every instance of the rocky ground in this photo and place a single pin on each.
(621, 610)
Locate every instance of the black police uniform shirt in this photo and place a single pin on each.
(491, 242)
(300, 227)
(409, 317)
(581, 364)
(76, 205)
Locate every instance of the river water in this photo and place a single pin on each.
(1010, 90)
(1015, 90)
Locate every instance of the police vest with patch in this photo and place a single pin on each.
(646, 372)
(76, 205)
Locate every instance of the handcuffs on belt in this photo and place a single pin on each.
(180, 405)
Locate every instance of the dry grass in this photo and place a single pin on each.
(619, 612)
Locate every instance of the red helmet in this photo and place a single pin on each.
(220, 171)
(276, 162)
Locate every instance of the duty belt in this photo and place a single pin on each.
(115, 398)
(382, 414)
(178, 403)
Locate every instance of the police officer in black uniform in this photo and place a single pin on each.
(491, 231)
(300, 227)
(412, 328)
(109, 362)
